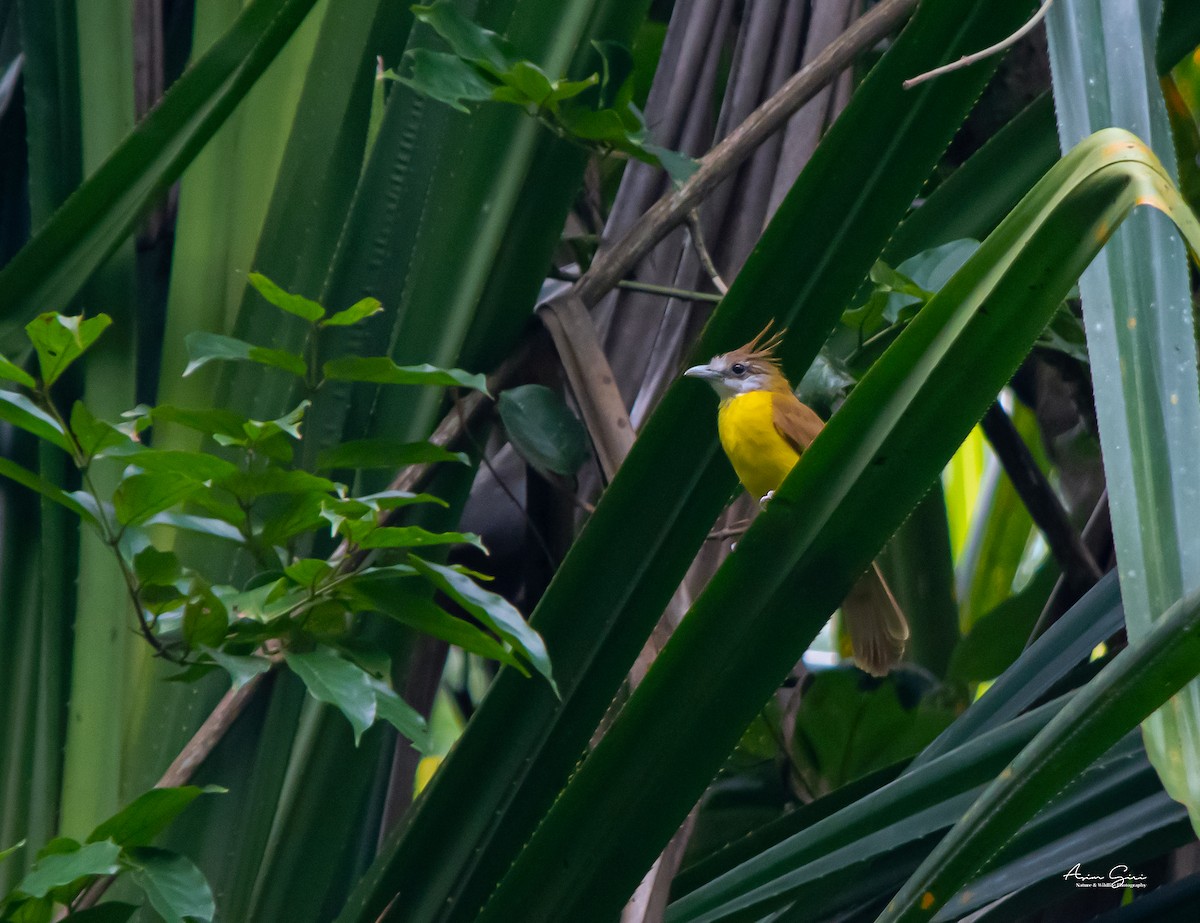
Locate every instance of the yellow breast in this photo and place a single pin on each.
(760, 455)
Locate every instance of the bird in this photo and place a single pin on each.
(764, 429)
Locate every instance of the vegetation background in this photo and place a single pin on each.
(989, 245)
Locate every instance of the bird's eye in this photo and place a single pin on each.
(738, 369)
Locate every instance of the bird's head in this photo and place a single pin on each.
(753, 367)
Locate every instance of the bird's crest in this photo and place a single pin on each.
(761, 349)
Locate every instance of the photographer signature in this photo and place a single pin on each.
(1118, 876)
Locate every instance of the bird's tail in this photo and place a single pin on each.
(877, 627)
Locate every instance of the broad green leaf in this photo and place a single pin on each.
(174, 886)
(308, 572)
(54, 265)
(385, 453)
(147, 816)
(266, 602)
(542, 429)
(199, 466)
(241, 669)
(205, 619)
(202, 525)
(530, 82)
(492, 609)
(400, 715)
(383, 371)
(466, 39)
(1138, 680)
(337, 682)
(9, 371)
(204, 348)
(63, 867)
(157, 568)
(444, 77)
(405, 536)
(359, 311)
(21, 412)
(302, 307)
(384, 592)
(94, 435)
(141, 496)
(59, 340)
(249, 485)
(997, 639)
(214, 422)
(27, 478)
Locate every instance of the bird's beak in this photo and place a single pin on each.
(702, 371)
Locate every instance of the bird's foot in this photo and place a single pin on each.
(762, 503)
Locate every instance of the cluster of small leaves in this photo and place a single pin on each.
(296, 609)
(120, 846)
(597, 112)
(897, 294)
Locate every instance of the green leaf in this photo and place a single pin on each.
(12, 372)
(5, 853)
(844, 731)
(94, 435)
(147, 816)
(385, 453)
(400, 715)
(337, 682)
(492, 609)
(308, 572)
(467, 40)
(406, 537)
(997, 639)
(140, 496)
(10, 469)
(61, 868)
(174, 886)
(530, 83)
(204, 347)
(542, 429)
(679, 167)
(383, 371)
(240, 669)
(248, 485)
(202, 525)
(360, 310)
(199, 466)
(59, 340)
(156, 568)
(1132, 686)
(21, 412)
(383, 590)
(214, 422)
(205, 619)
(444, 77)
(294, 304)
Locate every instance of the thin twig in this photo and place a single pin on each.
(614, 263)
(706, 260)
(968, 59)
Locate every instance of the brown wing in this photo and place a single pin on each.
(796, 422)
